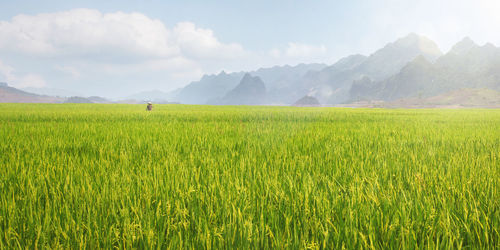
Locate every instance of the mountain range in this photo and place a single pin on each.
(466, 65)
(407, 70)
(211, 88)
(412, 66)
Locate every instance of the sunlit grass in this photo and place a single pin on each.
(78, 175)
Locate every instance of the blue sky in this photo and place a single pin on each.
(115, 48)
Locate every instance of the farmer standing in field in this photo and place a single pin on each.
(149, 107)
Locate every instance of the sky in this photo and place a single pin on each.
(117, 48)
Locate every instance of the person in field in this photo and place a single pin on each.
(149, 107)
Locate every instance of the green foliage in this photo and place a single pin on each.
(105, 176)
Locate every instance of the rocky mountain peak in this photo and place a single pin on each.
(253, 82)
(250, 91)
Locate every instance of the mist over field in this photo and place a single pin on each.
(259, 124)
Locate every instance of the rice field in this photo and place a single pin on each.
(115, 176)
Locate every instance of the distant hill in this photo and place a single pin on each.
(90, 99)
(307, 101)
(13, 95)
(250, 91)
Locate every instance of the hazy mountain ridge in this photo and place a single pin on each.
(411, 68)
(329, 84)
(467, 65)
(212, 87)
(13, 95)
(394, 56)
(334, 88)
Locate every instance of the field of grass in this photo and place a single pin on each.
(88, 175)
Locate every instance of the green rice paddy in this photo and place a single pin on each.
(116, 176)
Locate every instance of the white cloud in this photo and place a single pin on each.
(14, 79)
(85, 32)
(92, 35)
(200, 43)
